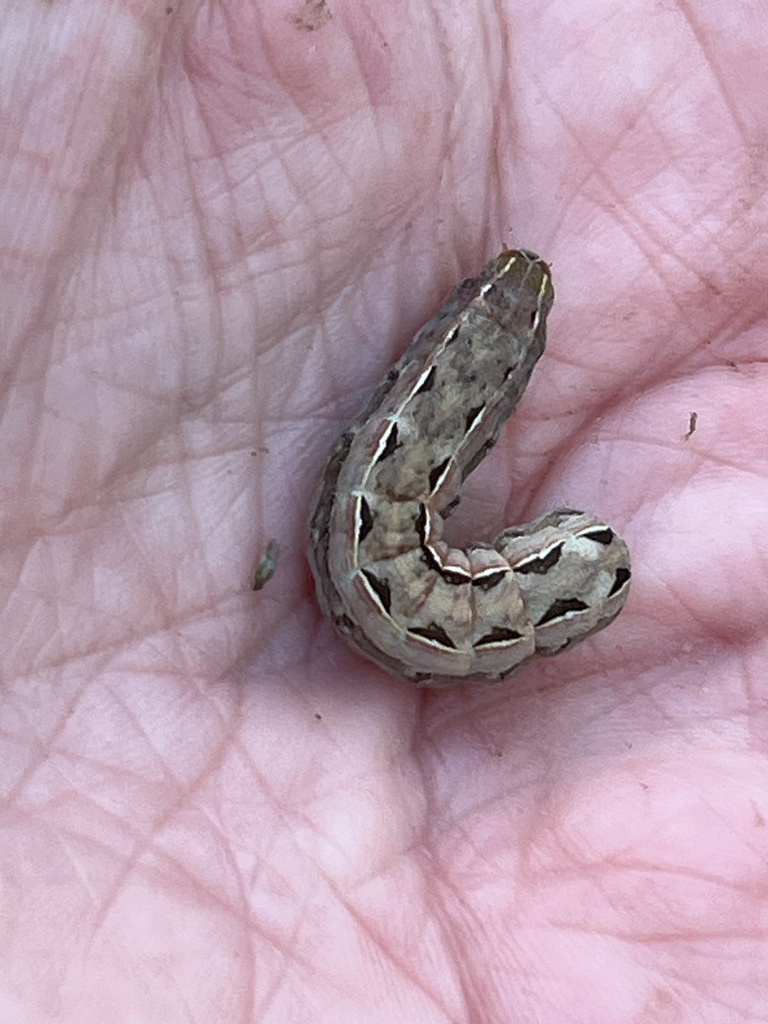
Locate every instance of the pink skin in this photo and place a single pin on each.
(219, 226)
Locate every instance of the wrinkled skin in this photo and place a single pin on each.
(219, 227)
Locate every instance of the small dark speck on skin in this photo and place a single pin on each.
(314, 15)
(692, 421)
(318, 717)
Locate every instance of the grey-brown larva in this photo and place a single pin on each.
(391, 586)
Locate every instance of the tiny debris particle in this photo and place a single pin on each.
(265, 570)
(313, 15)
(692, 421)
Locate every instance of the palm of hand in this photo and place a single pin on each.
(225, 261)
